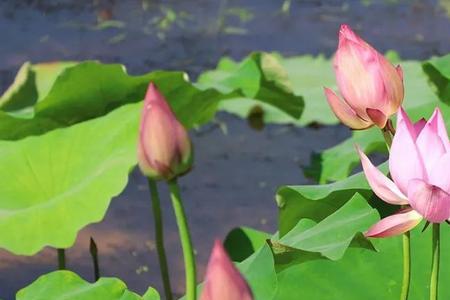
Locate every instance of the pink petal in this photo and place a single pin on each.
(346, 33)
(430, 145)
(144, 163)
(437, 122)
(344, 112)
(377, 116)
(430, 201)
(440, 174)
(158, 136)
(184, 144)
(399, 223)
(402, 117)
(399, 71)
(405, 163)
(419, 125)
(153, 96)
(382, 186)
(223, 281)
(358, 77)
(393, 85)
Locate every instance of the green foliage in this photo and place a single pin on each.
(259, 76)
(32, 83)
(316, 202)
(241, 242)
(69, 286)
(332, 236)
(75, 93)
(67, 177)
(86, 115)
(55, 184)
(259, 270)
(438, 70)
(362, 273)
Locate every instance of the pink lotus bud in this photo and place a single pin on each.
(371, 87)
(223, 281)
(419, 161)
(164, 147)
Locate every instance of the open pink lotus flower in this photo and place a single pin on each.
(371, 87)
(164, 147)
(223, 281)
(419, 163)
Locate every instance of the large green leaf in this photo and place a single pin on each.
(316, 202)
(260, 77)
(32, 83)
(68, 93)
(333, 235)
(364, 274)
(438, 70)
(90, 89)
(69, 286)
(55, 184)
(22, 92)
(242, 242)
(361, 273)
(259, 271)
(309, 75)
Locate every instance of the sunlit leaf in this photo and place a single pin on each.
(69, 286)
(260, 77)
(55, 184)
(316, 202)
(259, 271)
(365, 274)
(333, 235)
(68, 93)
(32, 82)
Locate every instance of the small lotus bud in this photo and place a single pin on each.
(370, 86)
(223, 280)
(164, 147)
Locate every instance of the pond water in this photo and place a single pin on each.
(236, 174)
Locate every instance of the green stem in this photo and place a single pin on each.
(94, 254)
(406, 266)
(159, 234)
(435, 262)
(387, 138)
(61, 259)
(186, 243)
(388, 133)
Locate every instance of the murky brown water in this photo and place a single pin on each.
(235, 175)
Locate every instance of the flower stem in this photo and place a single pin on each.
(61, 259)
(186, 243)
(388, 134)
(406, 266)
(159, 234)
(436, 245)
(93, 249)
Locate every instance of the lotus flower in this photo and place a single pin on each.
(371, 87)
(164, 147)
(223, 281)
(419, 163)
